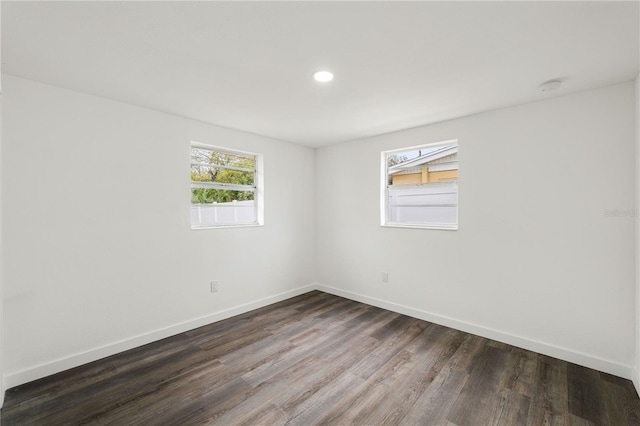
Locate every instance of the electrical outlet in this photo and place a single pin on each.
(214, 286)
(385, 277)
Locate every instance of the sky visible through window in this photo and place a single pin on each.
(413, 154)
(410, 155)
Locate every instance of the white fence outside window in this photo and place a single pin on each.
(434, 203)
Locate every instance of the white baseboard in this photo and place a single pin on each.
(53, 367)
(607, 366)
(56, 366)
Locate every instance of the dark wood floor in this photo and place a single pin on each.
(322, 359)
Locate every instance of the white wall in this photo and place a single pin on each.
(82, 286)
(542, 267)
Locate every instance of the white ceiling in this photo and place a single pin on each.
(249, 66)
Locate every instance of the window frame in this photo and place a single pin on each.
(384, 190)
(257, 188)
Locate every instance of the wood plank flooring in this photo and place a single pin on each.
(322, 359)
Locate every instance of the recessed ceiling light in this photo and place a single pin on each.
(551, 85)
(323, 76)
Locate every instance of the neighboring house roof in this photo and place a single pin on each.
(429, 157)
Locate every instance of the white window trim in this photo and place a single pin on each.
(258, 181)
(384, 199)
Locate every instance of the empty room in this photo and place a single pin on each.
(337, 213)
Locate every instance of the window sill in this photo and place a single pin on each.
(416, 226)
(246, 225)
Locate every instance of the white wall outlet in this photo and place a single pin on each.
(214, 286)
(385, 277)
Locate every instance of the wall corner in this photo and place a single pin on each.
(636, 366)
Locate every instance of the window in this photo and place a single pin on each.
(420, 186)
(226, 187)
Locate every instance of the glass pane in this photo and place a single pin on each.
(423, 165)
(206, 156)
(434, 203)
(211, 207)
(209, 196)
(217, 174)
